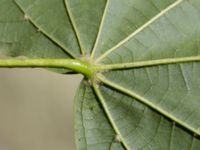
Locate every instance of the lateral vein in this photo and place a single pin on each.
(148, 63)
(100, 29)
(74, 26)
(147, 102)
(66, 49)
(103, 103)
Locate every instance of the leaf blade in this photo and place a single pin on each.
(143, 128)
(46, 17)
(120, 13)
(92, 129)
(86, 17)
(165, 100)
(174, 35)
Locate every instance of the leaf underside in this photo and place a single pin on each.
(147, 108)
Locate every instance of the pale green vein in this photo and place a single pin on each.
(103, 103)
(148, 63)
(66, 49)
(172, 135)
(74, 27)
(192, 143)
(82, 120)
(140, 29)
(148, 103)
(100, 29)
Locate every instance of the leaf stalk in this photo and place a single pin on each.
(76, 65)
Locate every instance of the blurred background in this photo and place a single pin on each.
(36, 109)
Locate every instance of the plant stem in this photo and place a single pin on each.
(72, 64)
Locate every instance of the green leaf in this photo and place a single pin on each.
(51, 18)
(152, 107)
(92, 128)
(146, 94)
(85, 21)
(19, 37)
(140, 127)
